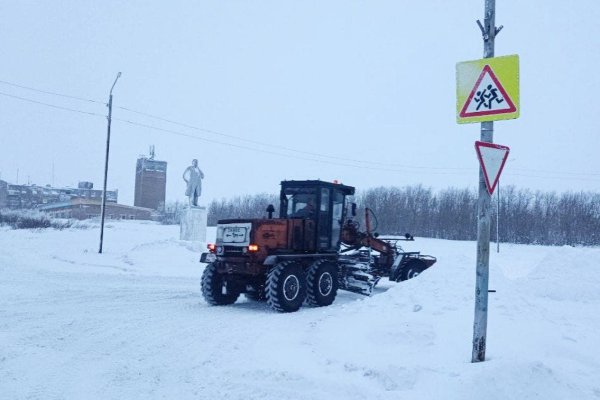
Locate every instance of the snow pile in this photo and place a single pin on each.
(131, 323)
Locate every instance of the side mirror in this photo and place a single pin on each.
(270, 210)
(354, 209)
(408, 236)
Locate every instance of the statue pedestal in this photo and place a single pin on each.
(193, 224)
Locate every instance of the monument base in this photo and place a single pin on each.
(193, 224)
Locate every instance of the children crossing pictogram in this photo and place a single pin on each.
(488, 97)
(487, 89)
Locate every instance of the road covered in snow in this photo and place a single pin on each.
(131, 324)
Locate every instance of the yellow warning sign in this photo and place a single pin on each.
(487, 89)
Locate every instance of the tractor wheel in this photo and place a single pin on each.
(413, 269)
(286, 287)
(214, 288)
(321, 283)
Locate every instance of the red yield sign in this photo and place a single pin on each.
(492, 158)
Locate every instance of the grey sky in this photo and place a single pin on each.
(372, 81)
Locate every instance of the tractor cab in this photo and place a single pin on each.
(319, 203)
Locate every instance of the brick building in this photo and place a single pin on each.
(150, 183)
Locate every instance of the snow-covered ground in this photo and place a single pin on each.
(131, 324)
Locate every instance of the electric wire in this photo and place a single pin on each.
(51, 93)
(283, 147)
(538, 171)
(147, 126)
(215, 132)
(383, 166)
(586, 179)
(51, 105)
(208, 140)
(199, 138)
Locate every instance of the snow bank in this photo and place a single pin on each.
(131, 323)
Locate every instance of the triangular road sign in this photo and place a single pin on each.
(492, 158)
(488, 97)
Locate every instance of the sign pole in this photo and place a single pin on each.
(489, 32)
(498, 221)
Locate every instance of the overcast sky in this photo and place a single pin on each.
(358, 91)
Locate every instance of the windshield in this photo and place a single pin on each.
(299, 202)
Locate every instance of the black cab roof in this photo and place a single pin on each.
(347, 190)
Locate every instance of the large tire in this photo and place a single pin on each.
(413, 269)
(214, 288)
(321, 283)
(286, 287)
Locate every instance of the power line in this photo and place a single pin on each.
(188, 135)
(318, 154)
(51, 93)
(587, 179)
(555, 172)
(212, 141)
(197, 128)
(283, 147)
(51, 105)
(383, 166)
(302, 158)
(213, 131)
(264, 151)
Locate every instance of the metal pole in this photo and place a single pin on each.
(498, 220)
(483, 209)
(110, 97)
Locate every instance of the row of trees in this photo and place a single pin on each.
(525, 216)
(249, 206)
(571, 218)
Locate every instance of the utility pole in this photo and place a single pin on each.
(110, 97)
(489, 31)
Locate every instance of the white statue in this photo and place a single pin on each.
(193, 177)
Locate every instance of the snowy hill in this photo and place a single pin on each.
(131, 323)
